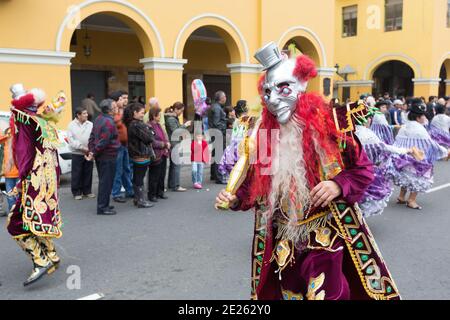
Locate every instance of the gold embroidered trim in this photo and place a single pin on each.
(356, 260)
(314, 285)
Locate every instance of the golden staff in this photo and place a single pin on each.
(246, 148)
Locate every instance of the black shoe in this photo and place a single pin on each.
(108, 212)
(38, 273)
(139, 198)
(221, 182)
(111, 207)
(153, 199)
(145, 205)
(162, 196)
(120, 200)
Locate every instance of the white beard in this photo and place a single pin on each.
(288, 165)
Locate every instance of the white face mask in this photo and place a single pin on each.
(282, 90)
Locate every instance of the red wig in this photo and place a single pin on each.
(315, 118)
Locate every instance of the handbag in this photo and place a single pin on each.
(152, 154)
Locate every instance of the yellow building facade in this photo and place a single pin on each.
(415, 45)
(156, 48)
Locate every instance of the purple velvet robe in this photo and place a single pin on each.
(333, 264)
(36, 210)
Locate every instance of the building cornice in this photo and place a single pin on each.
(326, 71)
(28, 56)
(355, 83)
(163, 63)
(245, 68)
(426, 80)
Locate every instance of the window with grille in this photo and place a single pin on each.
(448, 13)
(350, 21)
(393, 15)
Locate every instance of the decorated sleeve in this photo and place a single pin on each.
(243, 195)
(25, 148)
(357, 175)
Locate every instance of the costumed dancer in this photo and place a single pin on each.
(310, 239)
(440, 126)
(241, 128)
(377, 195)
(416, 177)
(35, 219)
(380, 126)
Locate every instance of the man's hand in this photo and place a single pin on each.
(226, 197)
(324, 193)
(188, 123)
(89, 157)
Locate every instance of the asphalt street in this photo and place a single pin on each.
(184, 249)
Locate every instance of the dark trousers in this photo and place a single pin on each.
(139, 171)
(174, 175)
(215, 174)
(106, 172)
(156, 178)
(81, 175)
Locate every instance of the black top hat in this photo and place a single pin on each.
(418, 107)
(381, 103)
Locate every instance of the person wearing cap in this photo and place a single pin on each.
(416, 177)
(395, 113)
(123, 170)
(103, 146)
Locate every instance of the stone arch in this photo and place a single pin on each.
(128, 13)
(225, 28)
(444, 61)
(375, 64)
(310, 40)
(395, 77)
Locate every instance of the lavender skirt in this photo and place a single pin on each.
(229, 158)
(415, 176)
(383, 132)
(377, 195)
(440, 136)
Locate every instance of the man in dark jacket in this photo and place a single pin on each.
(173, 127)
(103, 146)
(217, 119)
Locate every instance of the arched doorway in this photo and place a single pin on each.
(444, 84)
(302, 45)
(394, 77)
(208, 55)
(108, 51)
